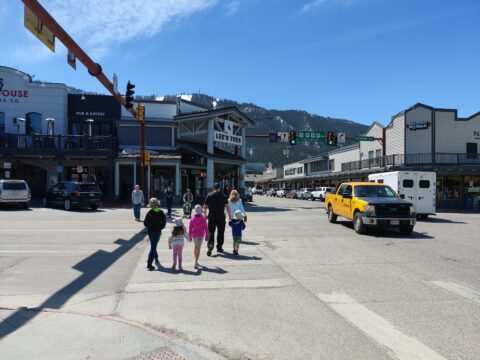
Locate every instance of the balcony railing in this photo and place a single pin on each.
(427, 159)
(57, 144)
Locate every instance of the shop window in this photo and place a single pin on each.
(472, 150)
(2, 122)
(424, 184)
(370, 154)
(407, 183)
(378, 153)
(34, 123)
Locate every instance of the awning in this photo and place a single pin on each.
(218, 154)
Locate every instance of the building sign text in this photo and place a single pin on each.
(227, 138)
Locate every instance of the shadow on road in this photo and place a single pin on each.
(436, 220)
(239, 257)
(256, 208)
(388, 233)
(249, 243)
(91, 268)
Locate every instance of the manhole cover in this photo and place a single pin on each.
(162, 354)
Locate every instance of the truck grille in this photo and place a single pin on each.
(392, 210)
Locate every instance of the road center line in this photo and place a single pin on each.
(208, 285)
(401, 346)
(460, 290)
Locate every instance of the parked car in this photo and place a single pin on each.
(257, 191)
(15, 192)
(305, 193)
(271, 192)
(248, 196)
(292, 194)
(320, 192)
(70, 194)
(282, 192)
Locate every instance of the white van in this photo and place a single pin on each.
(15, 192)
(417, 187)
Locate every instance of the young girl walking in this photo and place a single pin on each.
(198, 231)
(176, 242)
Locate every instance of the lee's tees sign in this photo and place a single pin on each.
(11, 95)
(223, 137)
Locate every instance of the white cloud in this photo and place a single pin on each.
(232, 7)
(100, 25)
(315, 4)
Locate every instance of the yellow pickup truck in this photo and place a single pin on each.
(370, 205)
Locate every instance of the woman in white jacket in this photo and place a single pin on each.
(235, 203)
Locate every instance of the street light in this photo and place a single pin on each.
(50, 126)
(89, 122)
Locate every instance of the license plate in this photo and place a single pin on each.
(394, 222)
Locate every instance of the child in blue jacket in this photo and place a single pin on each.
(238, 226)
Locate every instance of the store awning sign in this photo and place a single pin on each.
(225, 138)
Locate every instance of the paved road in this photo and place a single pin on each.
(301, 289)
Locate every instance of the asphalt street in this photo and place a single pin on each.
(74, 285)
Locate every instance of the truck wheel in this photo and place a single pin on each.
(406, 230)
(358, 225)
(332, 218)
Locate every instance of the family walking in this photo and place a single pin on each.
(205, 222)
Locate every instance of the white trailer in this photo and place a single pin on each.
(419, 187)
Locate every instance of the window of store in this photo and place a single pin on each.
(2, 122)
(370, 154)
(34, 123)
(472, 150)
(451, 188)
(378, 153)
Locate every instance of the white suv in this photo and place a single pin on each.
(15, 192)
(321, 192)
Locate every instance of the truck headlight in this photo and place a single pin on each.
(412, 209)
(369, 209)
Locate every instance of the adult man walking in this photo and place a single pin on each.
(169, 197)
(138, 200)
(215, 205)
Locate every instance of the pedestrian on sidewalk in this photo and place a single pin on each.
(215, 205)
(176, 242)
(238, 225)
(138, 200)
(169, 197)
(198, 231)
(155, 222)
(235, 203)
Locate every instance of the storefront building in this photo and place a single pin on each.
(191, 147)
(35, 142)
(420, 138)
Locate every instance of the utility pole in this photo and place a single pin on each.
(141, 118)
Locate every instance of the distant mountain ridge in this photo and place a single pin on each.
(268, 121)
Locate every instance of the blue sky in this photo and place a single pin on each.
(362, 60)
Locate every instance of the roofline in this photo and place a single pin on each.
(194, 114)
(345, 148)
(171, 102)
(455, 111)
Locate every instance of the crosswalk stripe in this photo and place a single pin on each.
(208, 285)
(457, 289)
(401, 346)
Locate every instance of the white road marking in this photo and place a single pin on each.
(208, 285)
(67, 230)
(460, 290)
(401, 346)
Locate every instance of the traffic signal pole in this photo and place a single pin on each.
(93, 68)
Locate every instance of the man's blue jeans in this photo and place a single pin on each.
(136, 210)
(154, 237)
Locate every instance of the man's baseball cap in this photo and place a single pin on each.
(216, 185)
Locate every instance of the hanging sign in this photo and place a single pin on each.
(222, 137)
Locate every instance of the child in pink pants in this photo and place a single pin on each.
(176, 242)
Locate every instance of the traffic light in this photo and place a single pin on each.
(331, 138)
(129, 96)
(147, 158)
(140, 112)
(293, 138)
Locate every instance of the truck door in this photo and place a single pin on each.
(406, 188)
(346, 201)
(425, 203)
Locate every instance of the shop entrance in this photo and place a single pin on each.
(227, 176)
(35, 176)
(195, 180)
